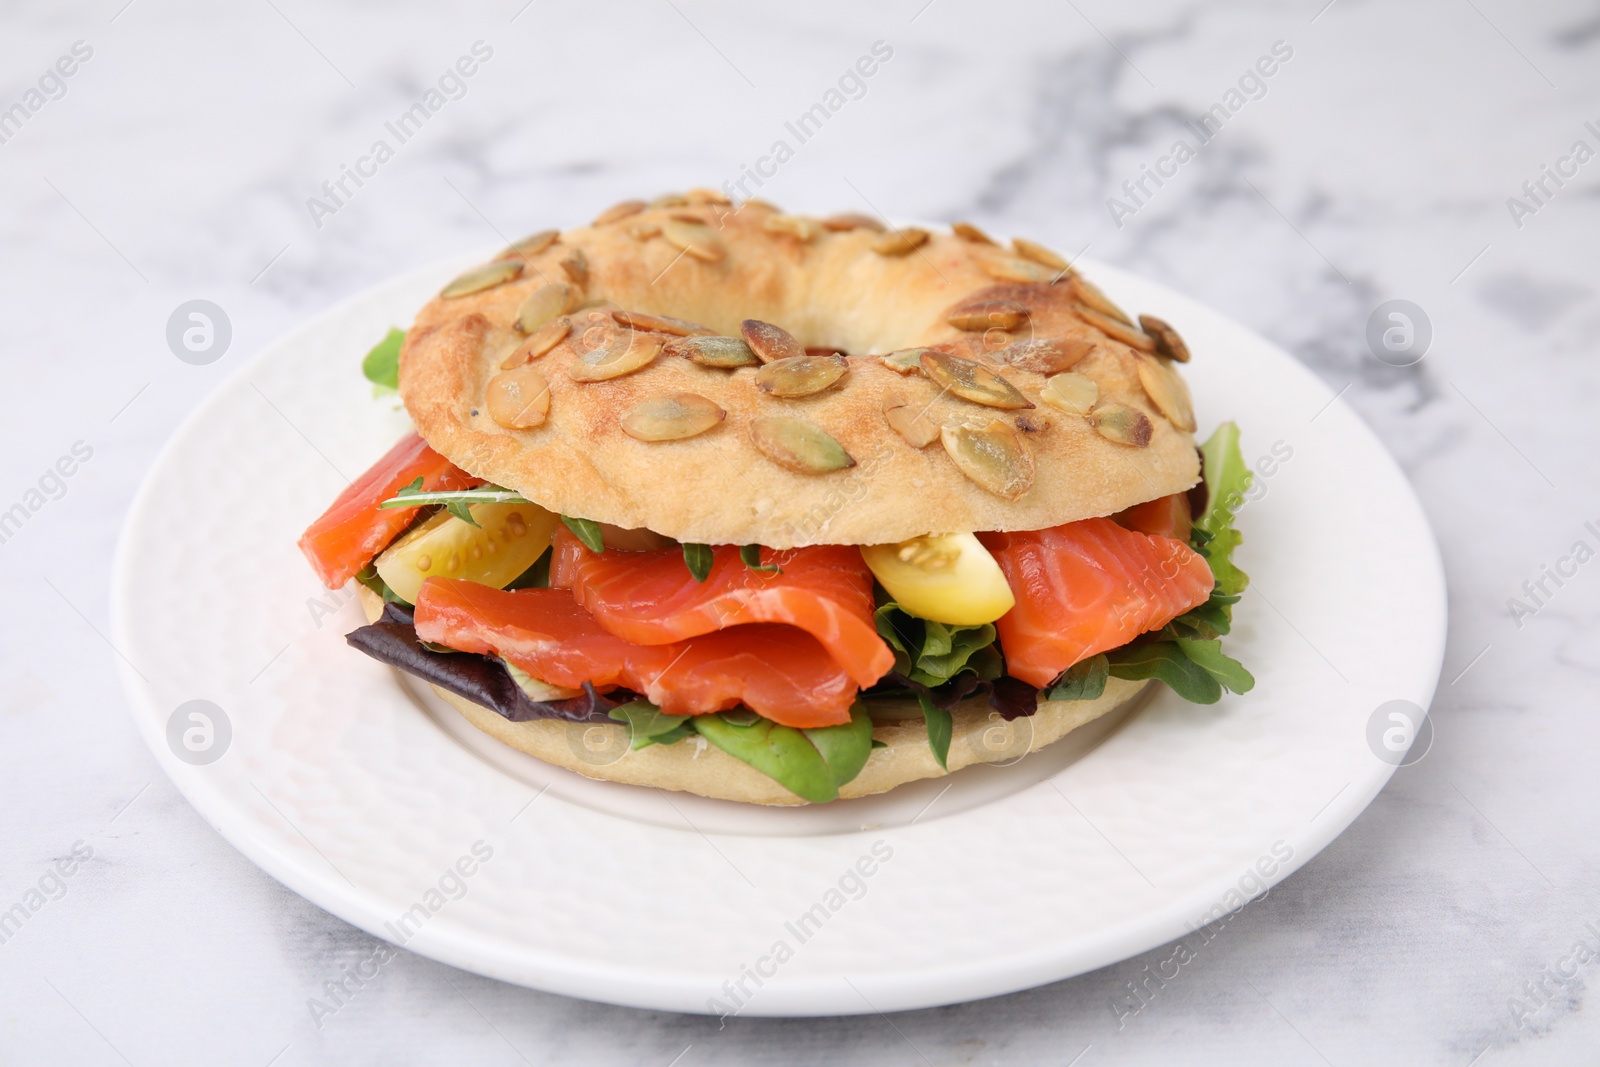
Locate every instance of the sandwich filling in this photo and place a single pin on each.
(781, 658)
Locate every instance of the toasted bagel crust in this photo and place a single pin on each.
(832, 290)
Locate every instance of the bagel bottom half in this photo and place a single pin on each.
(694, 765)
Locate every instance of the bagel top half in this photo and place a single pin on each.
(844, 284)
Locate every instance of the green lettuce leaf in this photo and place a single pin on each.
(1082, 681)
(931, 653)
(381, 366)
(647, 726)
(811, 764)
(941, 726)
(1227, 480)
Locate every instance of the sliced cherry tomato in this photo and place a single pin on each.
(651, 598)
(1088, 587)
(355, 529)
(1165, 516)
(779, 672)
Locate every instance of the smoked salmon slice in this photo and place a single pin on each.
(1165, 516)
(779, 672)
(354, 528)
(1088, 587)
(650, 598)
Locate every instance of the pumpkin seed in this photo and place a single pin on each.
(1087, 293)
(643, 231)
(1038, 253)
(1122, 424)
(576, 266)
(798, 445)
(968, 232)
(1073, 393)
(800, 376)
(696, 217)
(770, 343)
(911, 423)
(988, 314)
(695, 238)
(971, 381)
(900, 242)
(671, 418)
(1170, 395)
(706, 196)
(518, 399)
(905, 361)
(993, 455)
(714, 351)
(1168, 343)
(544, 304)
(623, 354)
(669, 200)
(618, 212)
(1045, 356)
(851, 220)
(543, 340)
(799, 227)
(484, 277)
(640, 320)
(531, 245)
(1131, 336)
(1012, 269)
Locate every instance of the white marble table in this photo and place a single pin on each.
(1376, 162)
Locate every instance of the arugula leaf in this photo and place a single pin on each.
(414, 496)
(1082, 681)
(1227, 480)
(536, 576)
(1166, 661)
(369, 577)
(699, 559)
(587, 531)
(940, 728)
(751, 555)
(647, 726)
(1228, 672)
(931, 653)
(381, 366)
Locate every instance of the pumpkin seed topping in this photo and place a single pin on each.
(1122, 424)
(1071, 392)
(518, 399)
(530, 246)
(1045, 356)
(905, 361)
(799, 227)
(988, 314)
(544, 304)
(900, 242)
(1088, 294)
(1038, 253)
(1168, 343)
(618, 212)
(968, 232)
(1168, 392)
(672, 417)
(542, 341)
(623, 354)
(482, 277)
(695, 238)
(576, 266)
(992, 454)
(1013, 269)
(769, 342)
(726, 352)
(910, 422)
(851, 220)
(798, 445)
(1131, 336)
(799, 376)
(971, 381)
(639, 320)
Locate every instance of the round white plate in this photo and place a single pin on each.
(362, 793)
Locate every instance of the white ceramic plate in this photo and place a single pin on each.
(362, 793)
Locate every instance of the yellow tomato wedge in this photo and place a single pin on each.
(949, 578)
(508, 539)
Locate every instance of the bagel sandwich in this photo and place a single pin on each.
(781, 509)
